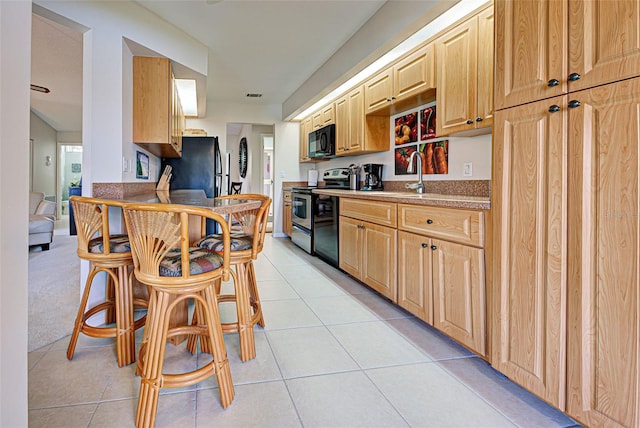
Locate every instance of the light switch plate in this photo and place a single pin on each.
(125, 165)
(467, 170)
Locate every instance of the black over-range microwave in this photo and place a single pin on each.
(322, 142)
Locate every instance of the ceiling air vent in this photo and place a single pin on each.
(250, 95)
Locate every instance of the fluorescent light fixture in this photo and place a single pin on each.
(188, 98)
(459, 11)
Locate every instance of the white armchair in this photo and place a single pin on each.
(41, 220)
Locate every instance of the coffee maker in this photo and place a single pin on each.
(372, 176)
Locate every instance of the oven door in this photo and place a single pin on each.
(301, 214)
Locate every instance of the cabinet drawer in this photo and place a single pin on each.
(286, 196)
(383, 213)
(465, 227)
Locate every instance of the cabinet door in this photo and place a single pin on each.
(529, 210)
(604, 41)
(306, 126)
(415, 74)
(350, 246)
(459, 293)
(484, 101)
(414, 275)
(378, 91)
(603, 370)
(379, 247)
(316, 120)
(342, 124)
(531, 50)
(328, 115)
(356, 137)
(457, 81)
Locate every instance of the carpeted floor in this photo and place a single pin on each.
(54, 290)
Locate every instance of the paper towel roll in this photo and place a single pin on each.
(312, 179)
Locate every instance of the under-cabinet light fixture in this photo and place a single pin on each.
(188, 98)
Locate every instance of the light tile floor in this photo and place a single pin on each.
(333, 354)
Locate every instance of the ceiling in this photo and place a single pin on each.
(270, 47)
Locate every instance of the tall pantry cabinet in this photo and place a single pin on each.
(566, 230)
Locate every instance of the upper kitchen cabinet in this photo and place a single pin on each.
(410, 82)
(306, 126)
(158, 120)
(546, 48)
(323, 117)
(464, 56)
(356, 133)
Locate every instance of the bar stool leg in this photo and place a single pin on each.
(151, 376)
(253, 293)
(243, 306)
(77, 326)
(125, 331)
(216, 340)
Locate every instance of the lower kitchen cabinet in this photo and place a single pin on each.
(566, 244)
(287, 225)
(443, 284)
(368, 250)
(368, 253)
(529, 213)
(459, 293)
(603, 337)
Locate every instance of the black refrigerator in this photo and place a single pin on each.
(200, 167)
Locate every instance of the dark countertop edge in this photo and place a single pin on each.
(450, 201)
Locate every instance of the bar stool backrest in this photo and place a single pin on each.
(156, 229)
(91, 216)
(254, 222)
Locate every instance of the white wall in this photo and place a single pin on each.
(43, 176)
(286, 141)
(107, 95)
(15, 66)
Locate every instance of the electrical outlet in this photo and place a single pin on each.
(467, 170)
(283, 174)
(125, 165)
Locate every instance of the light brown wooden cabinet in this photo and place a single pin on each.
(443, 282)
(306, 127)
(529, 209)
(565, 205)
(356, 133)
(323, 117)
(563, 46)
(603, 365)
(158, 120)
(413, 77)
(465, 76)
(287, 225)
(368, 243)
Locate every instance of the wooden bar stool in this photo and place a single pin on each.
(247, 240)
(175, 272)
(110, 254)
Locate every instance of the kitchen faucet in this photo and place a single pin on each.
(419, 186)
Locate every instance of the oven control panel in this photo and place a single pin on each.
(336, 174)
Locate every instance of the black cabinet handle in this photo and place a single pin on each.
(479, 119)
(429, 221)
(574, 76)
(554, 108)
(433, 248)
(553, 82)
(393, 98)
(469, 121)
(574, 104)
(424, 245)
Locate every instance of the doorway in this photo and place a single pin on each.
(69, 175)
(267, 173)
